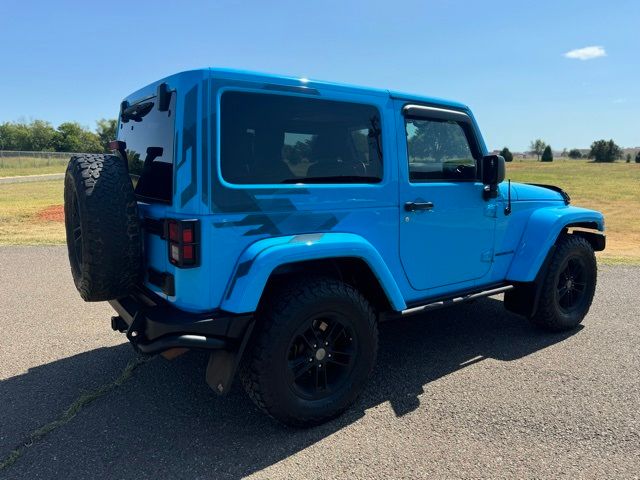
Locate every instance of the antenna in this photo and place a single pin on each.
(507, 209)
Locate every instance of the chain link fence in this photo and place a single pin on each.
(14, 159)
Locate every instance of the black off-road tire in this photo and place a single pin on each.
(265, 372)
(102, 227)
(550, 314)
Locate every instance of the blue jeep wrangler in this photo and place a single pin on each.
(274, 221)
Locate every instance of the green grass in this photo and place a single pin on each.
(612, 188)
(18, 166)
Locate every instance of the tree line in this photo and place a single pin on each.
(601, 151)
(40, 136)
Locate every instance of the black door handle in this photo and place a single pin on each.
(414, 206)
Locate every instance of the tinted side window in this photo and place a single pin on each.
(267, 139)
(438, 150)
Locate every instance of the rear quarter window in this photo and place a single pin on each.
(279, 139)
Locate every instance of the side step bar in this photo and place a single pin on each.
(454, 301)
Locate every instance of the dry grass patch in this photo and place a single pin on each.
(612, 188)
(21, 207)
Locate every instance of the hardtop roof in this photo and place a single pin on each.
(248, 76)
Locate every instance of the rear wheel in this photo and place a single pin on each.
(314, 352)
(568, 287)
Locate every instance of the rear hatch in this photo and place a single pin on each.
(147, 129)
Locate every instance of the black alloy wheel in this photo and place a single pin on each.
(321, 356)
(572, 284)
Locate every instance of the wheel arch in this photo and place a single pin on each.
(353, 271)
(524, 299)
(340, 255)
(544, 228)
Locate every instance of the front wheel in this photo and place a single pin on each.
(568, 287)
(314, 351)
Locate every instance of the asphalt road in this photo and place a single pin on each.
(468, 392)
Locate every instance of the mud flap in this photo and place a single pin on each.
(223, 364)
(523, 300)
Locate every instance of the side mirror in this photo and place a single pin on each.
(493, 171)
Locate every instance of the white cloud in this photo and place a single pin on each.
(620, 100)
(586, 53)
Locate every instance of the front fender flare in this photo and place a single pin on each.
(261, 258)
(540, 234)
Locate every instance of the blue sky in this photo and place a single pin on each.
(75, 60)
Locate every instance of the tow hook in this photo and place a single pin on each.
(118, 324)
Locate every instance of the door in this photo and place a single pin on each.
(446, 226)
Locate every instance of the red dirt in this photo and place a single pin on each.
(53, 213)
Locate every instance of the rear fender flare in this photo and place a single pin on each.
(261, 258)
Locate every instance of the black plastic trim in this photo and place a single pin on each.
(524, 298)
(154, 325)
(447, 300)
(433, 112)
(164, 280)
(182, 341)
(598, 240)
(565, 195)
(155, 226)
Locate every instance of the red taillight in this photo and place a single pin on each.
(173, 231)
(183, 242)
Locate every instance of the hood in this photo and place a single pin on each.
(525, 191)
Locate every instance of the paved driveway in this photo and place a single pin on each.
(467, 392)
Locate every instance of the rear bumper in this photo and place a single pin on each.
(153, 325)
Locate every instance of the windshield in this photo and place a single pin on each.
(149, 137)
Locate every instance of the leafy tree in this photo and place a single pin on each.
(537, 146)
(15, 136)
(295, 154)
(605, 151)
(508, 156)
(628, 158)
(436, 140)
(638, 157)
(7, 141)
(134, 162)
(41, 135)
(36, 136)
(106, 130)
(71, 137)
(547, 155)
(574, 153)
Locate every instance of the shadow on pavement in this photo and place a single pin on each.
(165, 422)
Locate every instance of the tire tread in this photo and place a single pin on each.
(111, 232)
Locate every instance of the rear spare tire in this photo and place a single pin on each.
(102, 227)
